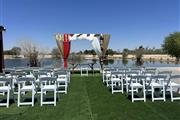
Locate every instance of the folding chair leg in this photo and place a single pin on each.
(19, 93)
(127, 86)
(132, 94)
(66, 87)
(152, 92)
(8, 98)
(144, 90)
(164, 94)
(41, 97)
(55, 97)
(32, 98)
(122, 88)
(171, 93)
(112, 87)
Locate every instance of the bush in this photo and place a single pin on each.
(171, 45)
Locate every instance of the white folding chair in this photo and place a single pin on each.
(136, 83)
(62, 81)
(157, 82)
(2, 75)
(26, 84)
(48, 84)
(5, 88)
(148, 75)
(167, 80)
(39, 75)
(174, 87)
(117, 82)
(107, 75)
(128, 78)
(84, 71)
(15, 76)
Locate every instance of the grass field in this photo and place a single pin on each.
(89, 99)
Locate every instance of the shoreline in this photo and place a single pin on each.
(146, 57)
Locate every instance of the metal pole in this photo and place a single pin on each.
(1, 49)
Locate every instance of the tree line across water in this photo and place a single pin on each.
(16, 51)
(171, 46)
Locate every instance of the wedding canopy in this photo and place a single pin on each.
(99, 43)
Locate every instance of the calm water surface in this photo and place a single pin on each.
(9, 63)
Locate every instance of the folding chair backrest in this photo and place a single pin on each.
(139, 78)
(56, 74)
(167, 73)
(149, 73)
(42, 74)
(132, 73)
(26, 80)
(47, 79)
(8, 71)
(45, 70)
(117, 74)
(18, 74)
(28, 71)
(122, 69)
(150, 69)
(5, 80)
(159, 78)
(173, 77)
(2, 75)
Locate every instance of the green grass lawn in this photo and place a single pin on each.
(89, 99)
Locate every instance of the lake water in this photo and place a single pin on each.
(9, 63)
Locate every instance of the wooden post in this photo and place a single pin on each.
(1, 49)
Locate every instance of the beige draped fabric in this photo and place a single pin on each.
(104, 43)
(59, 41)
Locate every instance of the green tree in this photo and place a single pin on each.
(16, 51)
(31, 52)
(125, 53)
(55, 53)
(139, 55)
(171, 45)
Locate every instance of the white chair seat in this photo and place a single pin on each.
(108, 75)
(27, 88)
(137, 85)
(116, 80)
(156, 85)
(61, 80)
(49, 87)
(174, 84)
(4, 88)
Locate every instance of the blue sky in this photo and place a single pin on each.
(131, 23)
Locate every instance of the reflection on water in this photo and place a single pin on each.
(112, 63)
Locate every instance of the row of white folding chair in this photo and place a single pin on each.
(148, 82)
(107, 72)
(46, 84)
(27, 84)
(133, 72)
(159, 81)
(139, 82)
(15, 76)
